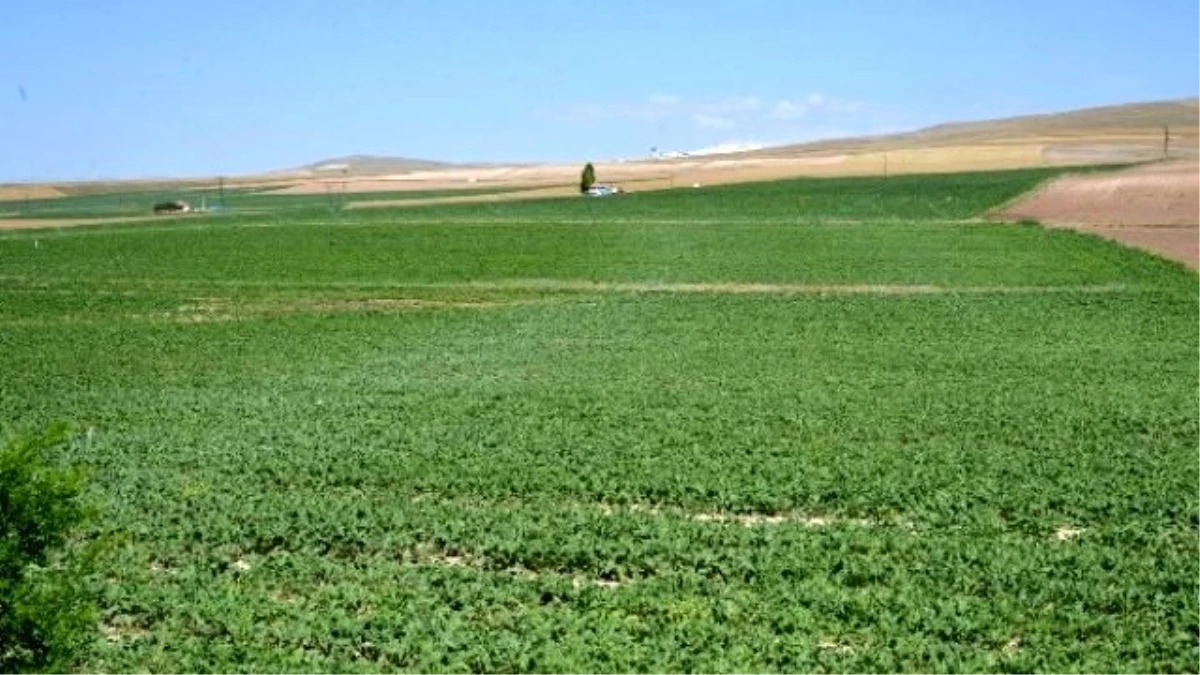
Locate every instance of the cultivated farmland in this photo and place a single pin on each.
(815, 425)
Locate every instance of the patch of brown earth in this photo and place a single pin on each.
(1067, 533)
(160, 567)
(538, 193)
(1153, 207)
(835, 644)
(749, 519)
(1150, 195)
(744, 288)
(46, 223)
(428, 555)
(207, 310)
(757, 519)
(9, 193)
(123, 628)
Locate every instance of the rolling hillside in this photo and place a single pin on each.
(1129, 132)
(366, 165)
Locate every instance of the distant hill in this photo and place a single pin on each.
(366, 165)
(1182, 114)
(1117, 133)
(1133, 128)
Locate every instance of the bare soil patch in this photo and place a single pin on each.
(210, 310)
(1153, 207)
(758, 519)
(1067, 533)
(751, 519)
(48, 223)
(536, 193)
(1158, 194)
(32, 191)
(123, 628)
(428, 555)
(743, 288)
(835, 644)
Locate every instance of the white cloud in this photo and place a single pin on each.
(664, 100)
(815, 103)
(731, 105)
(659, 106)
(652, 107)
(715, 113)
(727, 147)
(766, 118)
(787, 110)
(712, 122)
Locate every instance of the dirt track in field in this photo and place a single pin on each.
(11, 193)
(748, 288)
(46, 223)
(534, 193)
(1153, 207)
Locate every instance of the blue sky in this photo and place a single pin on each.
(174, 88)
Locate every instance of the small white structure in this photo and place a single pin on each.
(602, 190)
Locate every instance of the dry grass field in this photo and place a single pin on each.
(1107, 135)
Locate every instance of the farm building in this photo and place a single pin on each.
(178, 206)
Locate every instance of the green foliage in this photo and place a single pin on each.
(907, 229)
(120, 203)
(46, 613)
(946, 196)
(588, 178)
(898, 199)
(934, 444)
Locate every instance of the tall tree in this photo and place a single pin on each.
(588, 179)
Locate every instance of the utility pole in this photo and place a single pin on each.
(1166, 140)
(342, 200)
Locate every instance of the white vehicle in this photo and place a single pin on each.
(601, 190)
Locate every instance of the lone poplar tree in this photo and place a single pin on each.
(588, 179)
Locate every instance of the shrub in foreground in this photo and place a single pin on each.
(46, 612)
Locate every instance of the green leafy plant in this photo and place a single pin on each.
(810, 425)
(45, 610)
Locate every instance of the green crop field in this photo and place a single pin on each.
(811, 425)
(115, 203)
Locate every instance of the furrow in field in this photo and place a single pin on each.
(43, 284)
(752, 288)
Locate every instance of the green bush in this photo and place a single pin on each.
(588, 178)
(46, 612)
